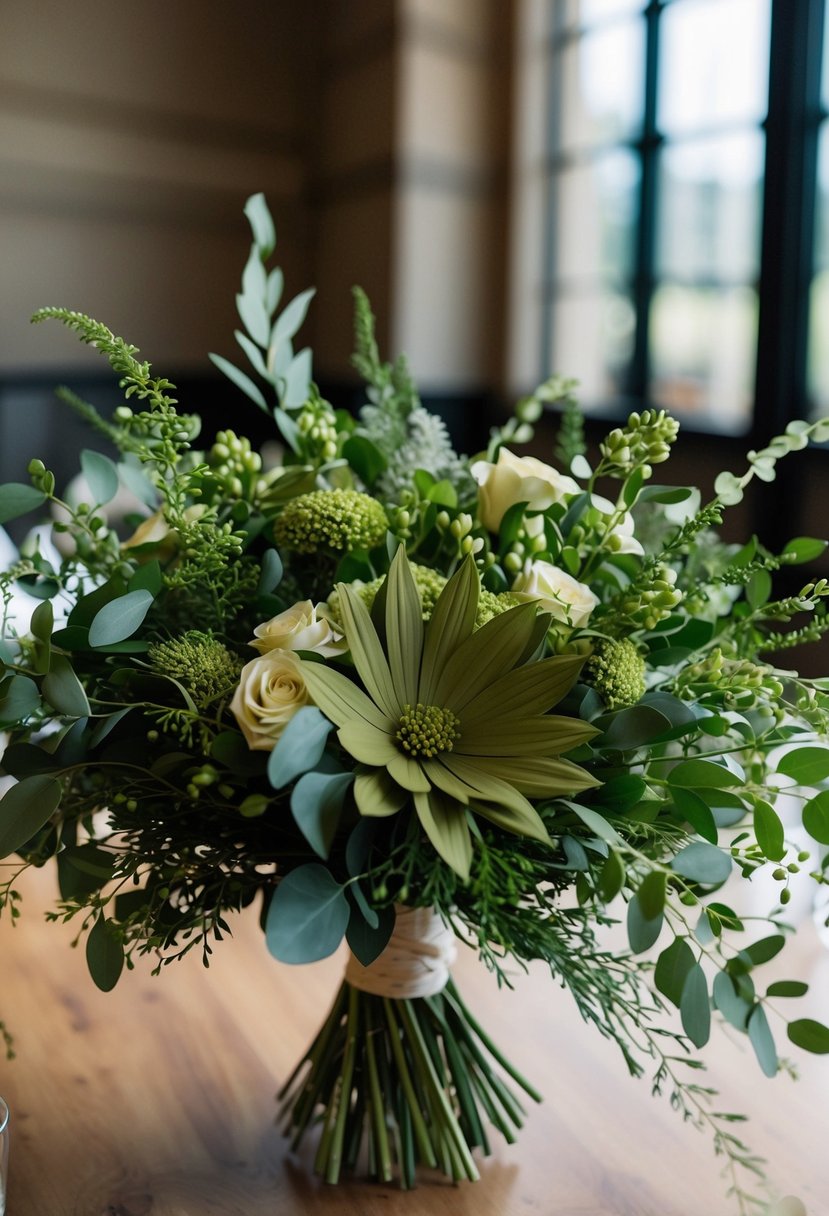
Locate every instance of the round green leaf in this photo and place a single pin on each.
(104, 955)
(307, 917)
(650, 894)
(701, 862)
(18, 700)
(316, 802)
(300, 746)
(734, 1008)
(101, 476)
(271, 575)
(806, 765)
(24, 809)
(120, 618)
(642, 933)
(728, 489)
(18, 499)
(816, 817)
(810, 1035)
(702, 774)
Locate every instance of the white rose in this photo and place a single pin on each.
(298, 628)
(556, 592)
(626, 542)
(271, 689)
(517, 479)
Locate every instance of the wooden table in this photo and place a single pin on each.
(158, 1098)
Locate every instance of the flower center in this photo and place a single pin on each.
(427, 730)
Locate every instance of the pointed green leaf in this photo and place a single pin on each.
(24, 809)
(276, 282)
(701, 862)
(365, 458)
(597, 823)
(787, 988)
(307, 917)
(762, 1040)
(694, 1007)
(642, 933)
(296, 383)
(611, 877)
(104, 955)
(17, 499)
(63, 690)
(692, 808)
(702, 774)
(672, 968)
(367, 653)
(366, 941)
(254, 354)
(299, 747)
(650, 894)
(764, 950)
(316, 804)
(734, 1008)
(262, 226)
(254, 278)
(290, 319)
(271, 572)
(241, 380)
(101, 476)
(816, 817)
(807, 765)
(810, 1035)
(120, 618)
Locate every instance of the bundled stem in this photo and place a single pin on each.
(412, 1080)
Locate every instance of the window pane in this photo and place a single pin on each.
(703, 348)
(710, 197)
(592, 340)
(818, 360)
(602, 86)
(822, 203)
(585, 12)
(714, 64)
(596, 216)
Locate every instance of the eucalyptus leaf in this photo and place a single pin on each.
(63, 690)
(24, 809)
(104, 955)
(299, 747)
(17, 499)
(642, 933)
(101, 475)
(241, 380)
(651, 893)
(367, 941)
(768, 829)
(695, 1008)
(693, 809)
(734, 1008)
(262, 225)
(810, 1035)
(702, 774)
(787, 988)
(762, 1040)
(702, 862)
(291, 318)
(307, 917)
(806, 765)
(297, 379)
(672, 968)
(365, 458)
(271, 572)
(316, 804)
(120, 618)
(19, 698)
(764, 950)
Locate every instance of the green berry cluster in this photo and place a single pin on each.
(338, 520)
(317, 427)
(644, 441)
(647, 606)
(616, 670)
(733, 683)
(234, 464)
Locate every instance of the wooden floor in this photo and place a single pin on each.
(157, 1099)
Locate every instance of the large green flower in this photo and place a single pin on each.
(451, 717)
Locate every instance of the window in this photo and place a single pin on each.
(687, 208)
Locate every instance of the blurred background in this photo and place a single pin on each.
(634, 194)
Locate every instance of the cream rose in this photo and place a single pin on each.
(271, 689)
(298, 628)
(556, 591)
(517, 479)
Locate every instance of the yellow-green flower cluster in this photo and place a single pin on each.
(734, 683)
(205, 666)
(617, 672)
(338, 520)
(646, 440)
(429, 584)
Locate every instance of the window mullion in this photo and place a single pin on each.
(643, 284)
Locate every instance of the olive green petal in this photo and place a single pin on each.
(489, 654)
(367, 653)
(481, 784)
(444, 822)
(450, 625)
(524, 822)
(339, 698)
(439, 775)
(547, 735)
(528, 690)
(536, 644)
(409, 774)
(376, 794)
(538, 776)
(404, 628)
(366, 743)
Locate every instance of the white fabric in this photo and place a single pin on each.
(416, 961)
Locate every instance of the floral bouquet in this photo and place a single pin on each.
(405, 698)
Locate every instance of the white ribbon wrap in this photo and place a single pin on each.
(416, 961)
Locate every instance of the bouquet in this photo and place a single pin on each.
(406, 698)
